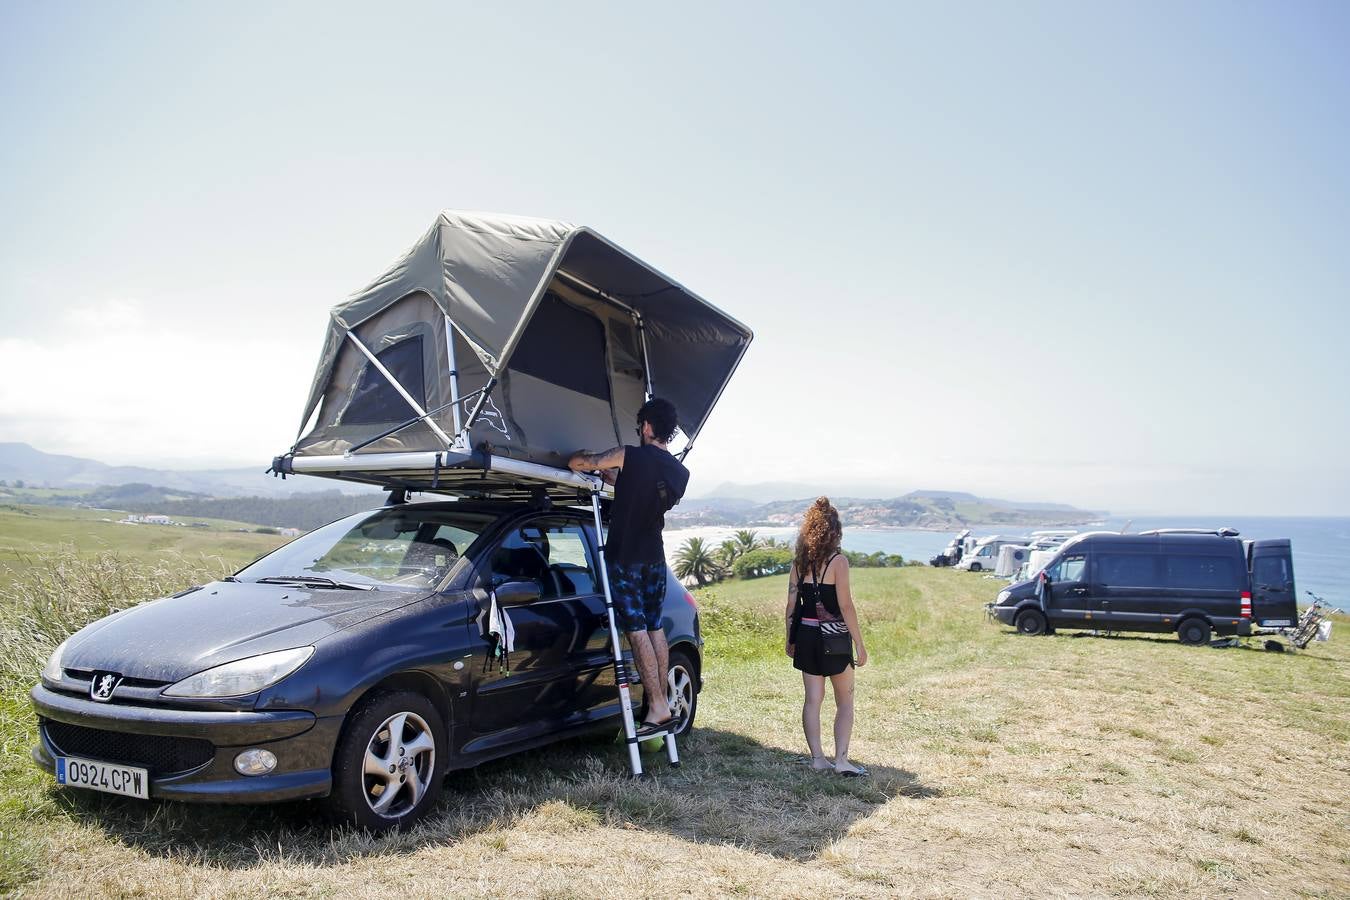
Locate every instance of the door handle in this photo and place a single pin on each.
(1079, 590)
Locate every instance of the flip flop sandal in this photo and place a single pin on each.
(860, 772)
(647, 729)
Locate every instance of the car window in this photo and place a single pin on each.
(1127, 570)
(1200, 572)
(1069, 569)
(398, 547)
(552, 553)
(1271, 572)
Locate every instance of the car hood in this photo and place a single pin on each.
(170, 639)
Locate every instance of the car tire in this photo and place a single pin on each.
(367, 746)
(1194, 631)
(976, 567)
(681, 690)
(1031, 622)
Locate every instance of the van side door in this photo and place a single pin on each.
(1129, 592)
(1274, 598)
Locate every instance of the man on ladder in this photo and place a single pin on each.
(650, 481)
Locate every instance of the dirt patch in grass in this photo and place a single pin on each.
(1002, 766)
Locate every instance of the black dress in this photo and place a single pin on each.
(817, 610)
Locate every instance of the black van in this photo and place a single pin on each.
(1193, 582)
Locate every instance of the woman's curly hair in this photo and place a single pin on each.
(819, 537)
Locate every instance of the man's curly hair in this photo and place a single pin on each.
(818, 539)
(660, 414)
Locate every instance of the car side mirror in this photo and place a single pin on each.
(517, 592)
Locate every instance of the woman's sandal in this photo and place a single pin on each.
(856, 772)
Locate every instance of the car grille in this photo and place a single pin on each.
(158, 754)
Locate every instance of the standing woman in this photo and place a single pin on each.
(822, 633)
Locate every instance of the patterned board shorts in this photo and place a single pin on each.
(638, 591)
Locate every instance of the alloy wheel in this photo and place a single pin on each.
(399, 764)
(679, 691)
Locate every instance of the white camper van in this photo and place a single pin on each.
(984, 558)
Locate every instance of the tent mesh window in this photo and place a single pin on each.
(565, 346)
(375, 400)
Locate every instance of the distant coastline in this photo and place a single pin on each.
(917, 510)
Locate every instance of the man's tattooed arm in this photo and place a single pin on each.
(589, 462)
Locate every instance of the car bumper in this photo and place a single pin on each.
(1004, 614)
(190, 753)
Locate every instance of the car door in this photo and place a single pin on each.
(1068, 603)
(1274, 598)
(530, 690)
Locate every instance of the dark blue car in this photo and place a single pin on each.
(355, 663)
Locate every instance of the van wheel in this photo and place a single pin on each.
(1031, 621)
(389, 763)
(976, 567)
(1194, 631)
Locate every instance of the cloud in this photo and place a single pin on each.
(113, 383)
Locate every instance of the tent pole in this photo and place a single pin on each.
(592, 289)
(482, 399)
(421, 413)
(620, 670)
(642, 342)
(454, 374)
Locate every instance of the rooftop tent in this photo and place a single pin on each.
(496, 346)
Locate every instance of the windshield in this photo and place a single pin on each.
(398, 548)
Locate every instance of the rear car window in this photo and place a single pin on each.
(1271, 571)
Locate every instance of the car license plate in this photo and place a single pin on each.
(111, 778)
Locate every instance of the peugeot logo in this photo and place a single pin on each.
(102, 685)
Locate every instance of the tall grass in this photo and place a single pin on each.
(52, 596)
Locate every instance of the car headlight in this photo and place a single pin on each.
(53, 671)
(1002, 597)
(243, 676)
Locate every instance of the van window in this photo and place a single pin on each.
(1068, 570)
(1201, 572)
(1127, 569)
(1271, 572)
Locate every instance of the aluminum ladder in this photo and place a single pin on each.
(621, 675)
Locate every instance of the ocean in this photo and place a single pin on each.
(1321, 545)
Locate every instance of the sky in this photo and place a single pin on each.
(1082, 253)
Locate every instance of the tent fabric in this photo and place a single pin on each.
(544, 311)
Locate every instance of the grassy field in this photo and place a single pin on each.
(27, 533)
(1002, 766)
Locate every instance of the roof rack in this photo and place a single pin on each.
(1221, 532)
(476, 475)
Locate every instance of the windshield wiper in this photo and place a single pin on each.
(315, 581)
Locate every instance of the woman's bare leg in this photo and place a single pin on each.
(815, 695)
(843, 719)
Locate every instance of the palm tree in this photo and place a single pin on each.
(695, 560)
(747, 540)
(727, 552)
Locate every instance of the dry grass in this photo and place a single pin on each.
(1003, 766)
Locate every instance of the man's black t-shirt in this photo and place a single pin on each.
(638, 513)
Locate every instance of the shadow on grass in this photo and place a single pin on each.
(730, 790)
(1253, 644)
